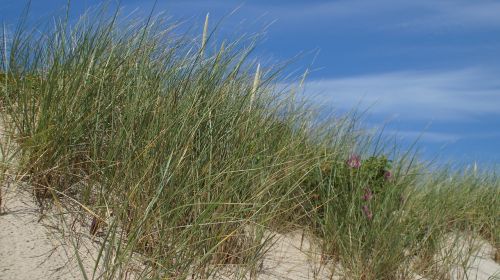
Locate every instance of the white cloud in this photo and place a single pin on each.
(447, 95)
(418, 15)
(461, 14)
(426, 136)
(427, 14)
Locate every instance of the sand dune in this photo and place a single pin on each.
(31, 249)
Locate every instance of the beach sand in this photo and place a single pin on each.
(31, 248)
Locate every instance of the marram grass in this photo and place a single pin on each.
(198, 154)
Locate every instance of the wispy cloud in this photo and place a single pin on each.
(429, 14)
(426, 136)
(447, 95)
(461, 14)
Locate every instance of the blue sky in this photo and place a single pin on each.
(424, 66)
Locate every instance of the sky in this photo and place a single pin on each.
(424, 69)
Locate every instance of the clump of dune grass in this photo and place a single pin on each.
(454, 205)
(189, 154)
(174, 139)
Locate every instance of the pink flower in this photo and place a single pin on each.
(367, 212)
(354, 161)
(367, 195)
(388, 175)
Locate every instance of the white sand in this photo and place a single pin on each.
(480, 266)
(294, 257)
(30, 250)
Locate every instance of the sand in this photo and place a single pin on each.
(31, 249)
